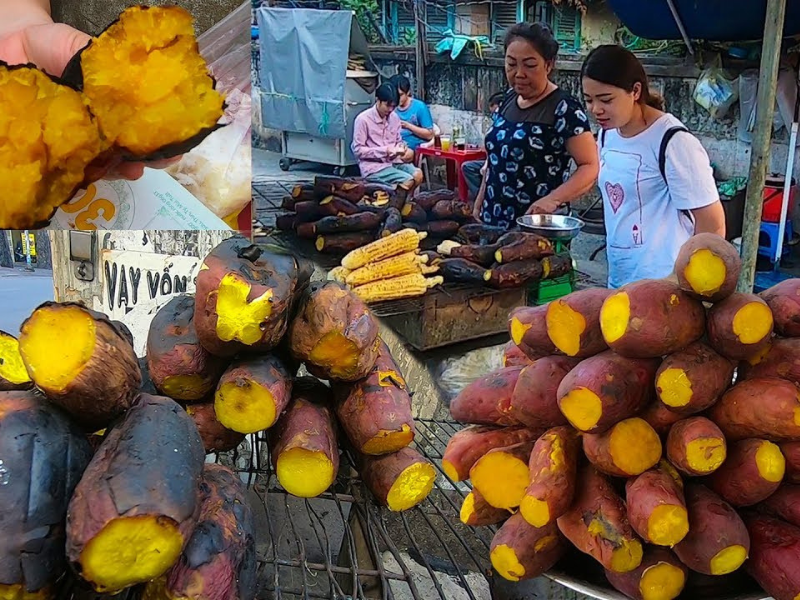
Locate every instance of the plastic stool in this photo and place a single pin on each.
(769, 234)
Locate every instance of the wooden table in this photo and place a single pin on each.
(453, 160)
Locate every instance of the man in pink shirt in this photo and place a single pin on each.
(378, 143)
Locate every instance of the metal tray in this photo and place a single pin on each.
(552, 227)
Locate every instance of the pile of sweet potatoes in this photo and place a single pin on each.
(616, 427)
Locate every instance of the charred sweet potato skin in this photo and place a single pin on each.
(216, 437)
(264, 282)
(44, 456)
(11, 361)
(378, 404)
(536, 549)
(173, 351)
(628, 583)
(534, 401)
(162, 479)
(469, 444)
(220, 557)
(330, 310)
(482, 401)
(774, 549)
(784, 301)
(708, 374)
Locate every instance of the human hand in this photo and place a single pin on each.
(404, 124)
(544, 206)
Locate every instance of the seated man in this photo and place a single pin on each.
(378, 146)
(472, 169)
(414, 114)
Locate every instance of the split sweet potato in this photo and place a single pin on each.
(514, 274)
(179, 366)
(708, 267)
(513, 356)
(693, 379)
(304, 448)
(252, 393)
(342, 243)
(335, 334)
(483, 401)
(414, 213)
(553, 469)
(479, 254)
(774, 549)
(216, 437)
(13, 374)
(657, 507)
(519, 246)
(696, 446)
(781, 359)
(304, 191)
(220, 558)
(501, 475)
(527, 326)
(534, 402)
(628, 449)
(791, 453)
(81, 361)
(783, 300)
(660, 576)
(400, 480)
(477, 512)
(751, 473)
(573, 322)
(44, 455)
(717, 542)
(784, 504)
(651, 318)
(520, 551)
(605, 389)
(245, 296)
(597, 524)
(469, 444)
(740, 327)
(759, 408)
(137, 503)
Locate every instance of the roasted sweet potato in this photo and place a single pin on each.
(628, 449)
(781, 359)
(476, 512)
(660, 417)
(478, 233)
(784, 504)
(751, 473)
(534, 401)
(451, 210)
(520, 551)
(708, 267)
(482, 401)
(179, 366)
(400, 480)
(514, 274)
(783, 300)
(342, 243)
(441, 229)
(375, 412)
(740, 327)
(573, 322)
(556, 266)
(286, 222)
(660, 576)
(501, 475)
(428, 199)
(44, 456)
(692, 379)
(791, 453)
(527, 326)
(460, 270)
(717, 542)
(304, 191)
(137, 503)
(774, 549)
(513, 356)
(469, 444)
(220, 558)
(517, 246)
(363, 221)
(13, 375)
(696, 446)
(656, 505)
(338, 206)
(81, 361)
(392, 223)
(349, 189)
(651, 318)
(306, 231)
(553, 468)
(604, 389)
(304, 448)
(414, 213)
(759, 408)
(252, 393)
(597, 524)
(479, 254)
(307, 212)
(216, 437)
(334, 334)
(245, 296)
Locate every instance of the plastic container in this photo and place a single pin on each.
(773, 198)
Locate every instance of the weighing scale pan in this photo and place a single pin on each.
(552, 227)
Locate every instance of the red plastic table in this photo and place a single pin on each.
(453, 161)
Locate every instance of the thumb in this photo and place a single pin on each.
(51, 46)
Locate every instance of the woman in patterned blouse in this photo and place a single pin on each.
(540, 129)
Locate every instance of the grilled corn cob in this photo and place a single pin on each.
(404, 240)
(406, 286)
(402, 264)
(338, 274)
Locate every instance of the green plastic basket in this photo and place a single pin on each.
(547, 290)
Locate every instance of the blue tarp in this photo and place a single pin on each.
(713, 20)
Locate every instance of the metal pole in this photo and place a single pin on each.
(762, 137)
(680, 25)
(27, 248)
(420, 17)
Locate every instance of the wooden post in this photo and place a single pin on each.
(762, 138)
(420, 12)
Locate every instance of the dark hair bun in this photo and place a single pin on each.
(538, 35)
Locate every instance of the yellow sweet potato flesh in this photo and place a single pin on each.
(12, 369)
(675, 388)
(565, 327)
(662, 581)
(752, 323)
(17, 592)
(668, 524)
(705, 455)
(305, 473)
(389, 441)
(770, 462)
(634, 446)
(245, 407)
(411, 487)
(706, 272)
(728, 560)
(615, 316)
(501, 479)
(336, 352)
(238, 318)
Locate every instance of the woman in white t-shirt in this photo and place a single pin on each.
(655, 177)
